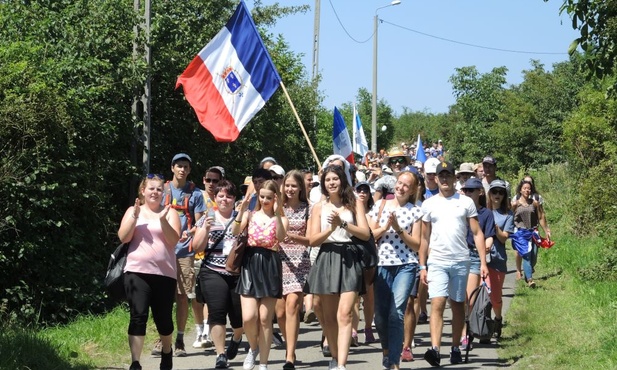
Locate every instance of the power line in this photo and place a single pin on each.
(472, 45)
(439, 38)
(344, 29)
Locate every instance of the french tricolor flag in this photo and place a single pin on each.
(231, 78)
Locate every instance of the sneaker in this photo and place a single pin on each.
(385, 363)
(369, 337)
(179, 351)
(326, 351)
(167, 361)
(498, 327)
(289, 366)
(158, 348)
(413, 343)
(406, 355)
(309, 317)
(221, 362)
(423, 319)
(135, 365)
(333, 365)
(206, 341)
(432, 357)
(263, 367)
(465, 343)
(455, 356)
(197, 342)
(531, 284)
(277, 340)
(354, 340)
(485, 341)
(232, 348)
(249, 361)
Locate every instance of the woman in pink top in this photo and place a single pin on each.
(150, 279)
(261, 281)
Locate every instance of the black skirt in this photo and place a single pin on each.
(261, 274)
(337, 269)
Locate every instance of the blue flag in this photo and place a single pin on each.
(420, 155)
(340, 137)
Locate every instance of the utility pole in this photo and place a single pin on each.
(141, 107)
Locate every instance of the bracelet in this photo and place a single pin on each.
(236, 221)
(423, 268)
(343, 224)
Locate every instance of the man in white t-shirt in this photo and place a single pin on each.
(446, 219)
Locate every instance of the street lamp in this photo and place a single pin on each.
(374, 105)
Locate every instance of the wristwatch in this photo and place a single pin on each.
(343, 224)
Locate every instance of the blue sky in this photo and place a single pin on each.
(413, 69)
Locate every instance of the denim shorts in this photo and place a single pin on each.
(448, 279)
(474, 267)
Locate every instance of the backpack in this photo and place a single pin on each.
(184, 204)
(479, 322)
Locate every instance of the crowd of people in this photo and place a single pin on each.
(438, 230)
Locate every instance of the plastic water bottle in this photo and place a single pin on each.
(211, 207)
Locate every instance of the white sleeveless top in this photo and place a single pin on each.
(339, 235)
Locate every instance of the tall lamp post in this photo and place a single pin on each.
(374, 105)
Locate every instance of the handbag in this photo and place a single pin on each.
(114, 278)
(368, 250)
(199, 297)
(369, 257)
(233, 264)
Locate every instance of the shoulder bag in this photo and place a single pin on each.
(114, 278)
(236, 255)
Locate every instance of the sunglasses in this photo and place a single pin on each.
(277, 177)
(397, 160)
(209, 180)
(469, 190)
(151, 176)
(363, 190)
(500, 191)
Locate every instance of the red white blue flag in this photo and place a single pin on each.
(231, 78)
(340, 138)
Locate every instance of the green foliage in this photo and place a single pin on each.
(71, 147)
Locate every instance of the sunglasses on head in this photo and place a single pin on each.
(397, 160)
(498, 191)
(209, 180)
(150, 176)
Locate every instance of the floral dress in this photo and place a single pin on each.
(295, 256)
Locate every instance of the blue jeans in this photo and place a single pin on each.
(392, 288)
(529, 261)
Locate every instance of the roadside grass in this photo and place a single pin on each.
(566, 322)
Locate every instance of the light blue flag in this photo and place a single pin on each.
(420, 155)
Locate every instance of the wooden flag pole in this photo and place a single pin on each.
(293, 108)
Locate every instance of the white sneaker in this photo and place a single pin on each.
(263, 367)
(333, 365)
(249, 361)
(197, 342)
(206, 341)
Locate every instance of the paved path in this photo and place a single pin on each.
(365, 357)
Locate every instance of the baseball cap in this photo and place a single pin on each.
(498, 184)
(490, 160)
(430, 166)
(362, 183)
(473, 183)
(268, 159)
(245, 184)
(277, 170)
(180, 156)
(445, 166)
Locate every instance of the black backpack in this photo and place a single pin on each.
(480, 323)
